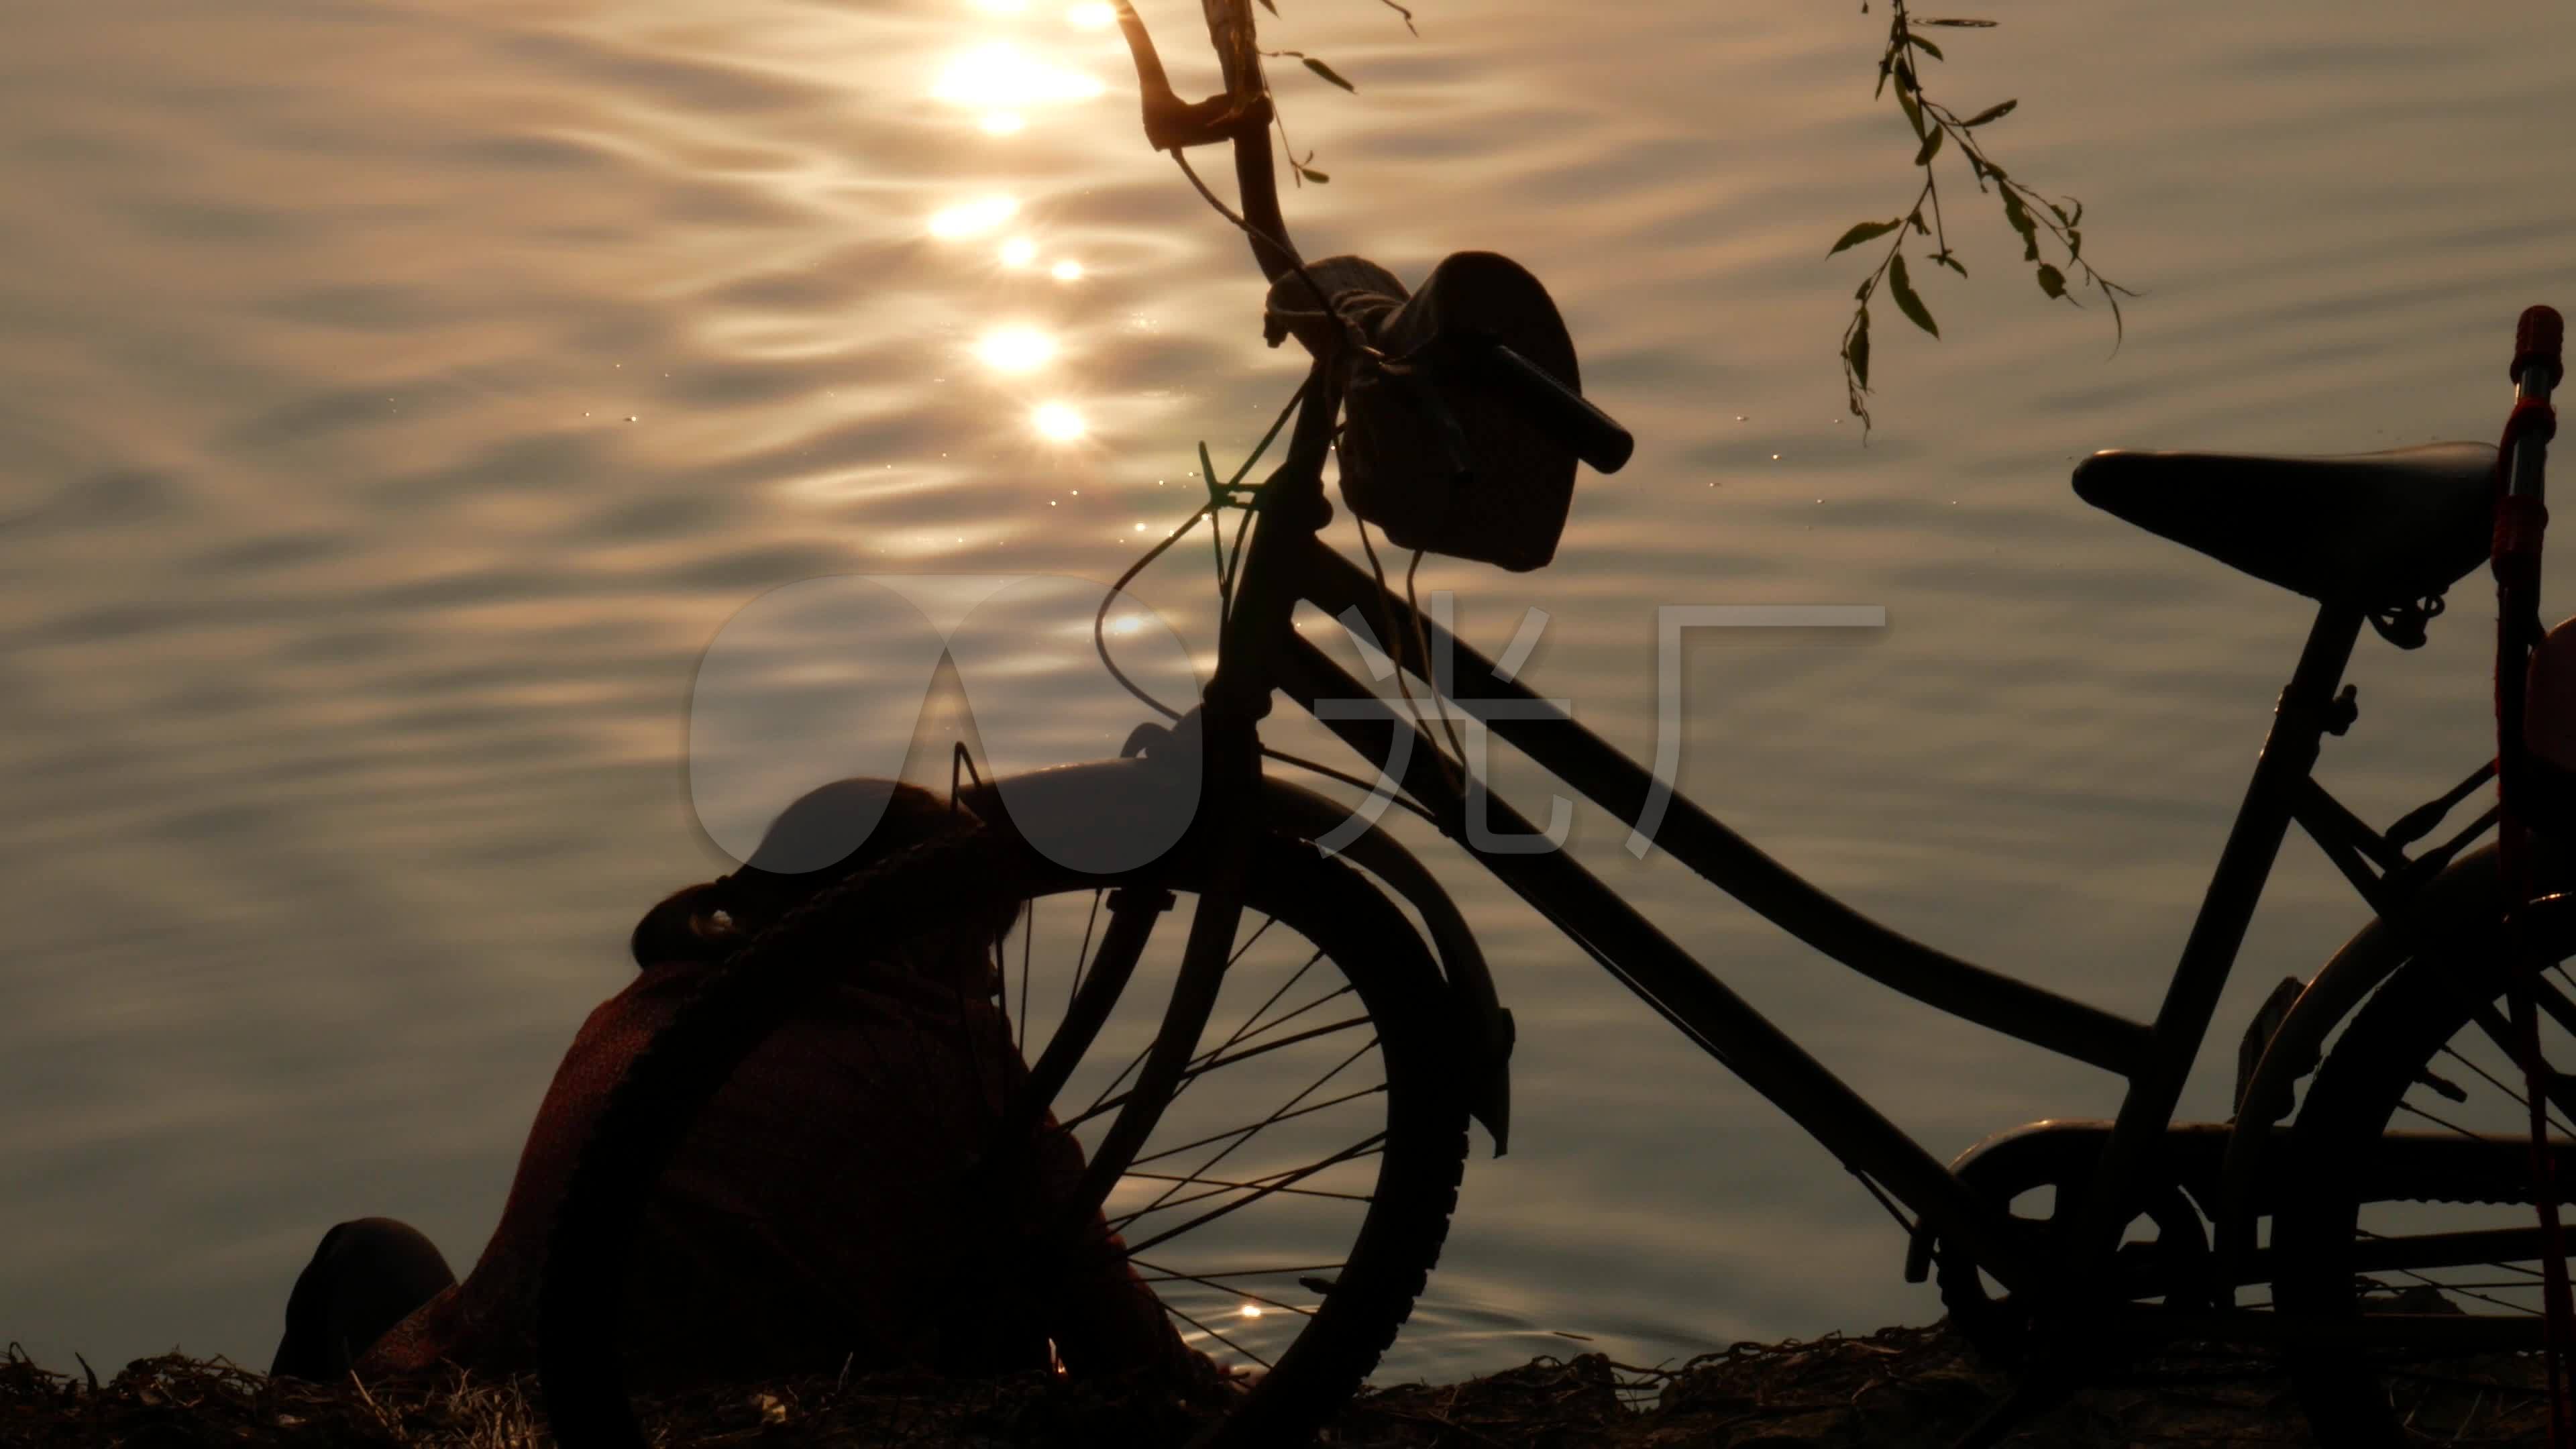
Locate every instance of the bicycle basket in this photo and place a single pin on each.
(1438, 462)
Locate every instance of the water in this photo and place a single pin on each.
(398, 399)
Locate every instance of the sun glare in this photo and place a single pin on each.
(1091, 17)
(1068, 271)
(1016, 349)
(995, 77)
(1003, 123)
(1057, 422)
(973, 218)
(1019, 251)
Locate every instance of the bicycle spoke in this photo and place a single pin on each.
(1284, 988)
(1374, 1142)
(1221, 1183)
(1219, 1337)
(1170, 1276)
(1219, 1190)
(1240, 1038)
(2557, 1090)
(1082, 957)
(1230, 1148)
(1149, 1276)
(2440, 1122)
(1257, 1126)
(1194, 1073)
(2560, 1009)
(2462, 1288)
(1138, 1060)
(2519, 1099)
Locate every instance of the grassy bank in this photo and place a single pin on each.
(1895, 1389)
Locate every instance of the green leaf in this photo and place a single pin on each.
(2051, 280)
(1931, 147)
(1991, 113)
(1326, 71)
(1953, 23)
(1881, 88)
(1947, 260)
(1266, 5)
(1856, 352)
(1927, 47)
(1311, 174)
(1863, 232)
(1905, 98)
(1906, 302)
(2021, 221)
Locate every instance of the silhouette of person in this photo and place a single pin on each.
(816, 1212)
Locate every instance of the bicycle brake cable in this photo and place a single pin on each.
(1217, 497)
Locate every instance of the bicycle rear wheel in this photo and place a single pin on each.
(1293, 1195)
(2411, 1221)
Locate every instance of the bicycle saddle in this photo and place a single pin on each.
(2375, 530)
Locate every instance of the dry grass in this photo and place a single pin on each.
(1895, 1389)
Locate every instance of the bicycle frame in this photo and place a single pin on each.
(1286, 563)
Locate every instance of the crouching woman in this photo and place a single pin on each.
(820, 1211)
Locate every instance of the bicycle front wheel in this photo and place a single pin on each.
(1295, 1191)
(2410, 1227)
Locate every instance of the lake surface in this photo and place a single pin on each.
(398, 398)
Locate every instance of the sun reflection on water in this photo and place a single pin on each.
(973, 218)
(998, 76)
(1058, 422)
(1015, 349)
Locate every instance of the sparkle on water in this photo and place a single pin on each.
(973, 218)
(1068, 270)
(1015, 349)
(1019, 251)
(1057, 421)
(997, 75)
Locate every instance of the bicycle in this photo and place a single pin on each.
(2153, 1231)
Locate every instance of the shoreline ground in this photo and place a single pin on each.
(1895, 1389)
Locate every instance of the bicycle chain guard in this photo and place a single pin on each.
(2060, 1155)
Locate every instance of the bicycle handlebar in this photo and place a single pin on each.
(2536, 338)
(1557, 410)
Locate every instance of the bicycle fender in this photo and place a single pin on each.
(2466, 899)
(1088, 811)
